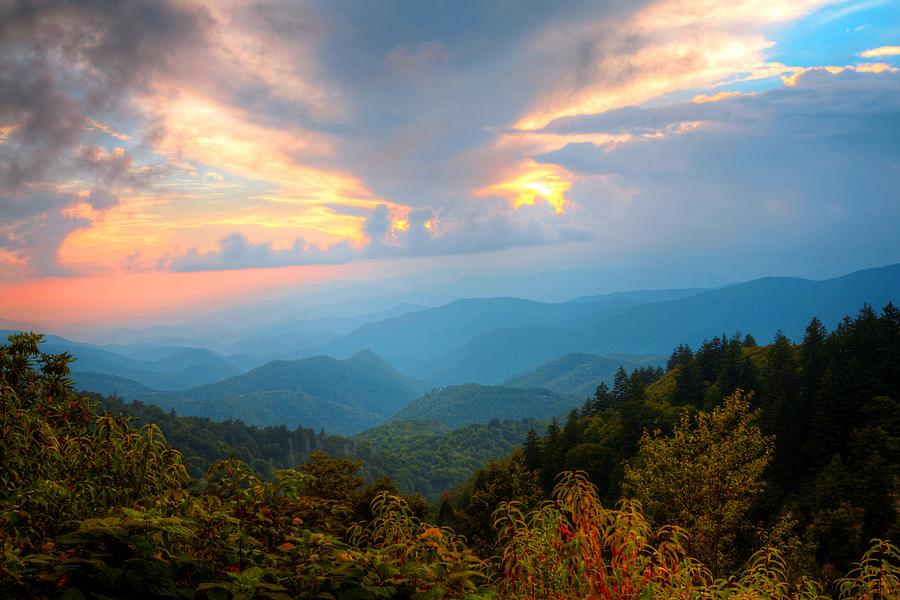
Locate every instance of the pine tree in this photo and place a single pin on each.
(532, 450)
(552, 461)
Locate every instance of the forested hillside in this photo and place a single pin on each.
(265, 450)
(813, 428)
(93, 507)
(459, 405)
(430, 458)
(424, 457)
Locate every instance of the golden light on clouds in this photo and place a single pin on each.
(549, 183)
(684, 44)
(718, 97)
(108, 130)
(235, 174)
(796, 73)
(5, 132)
(881, 51)
(696, 59)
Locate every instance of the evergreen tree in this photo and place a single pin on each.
(620, 387)
(552, 457)
(602, 398)
(682, 355)
(780, 407)
(532, 451)
(688, 385)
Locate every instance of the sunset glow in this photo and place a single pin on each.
(167, 144)
(547, 184)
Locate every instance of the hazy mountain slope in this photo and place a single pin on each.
(186, 369)
(579, 374)
(643, 296)
(172, 369)
(294, 338)
(560, 286)
(495, 356)
(113, 385)
(460, 405)
(760, 307)
(414, 339)
(338, 325)
(343, 396)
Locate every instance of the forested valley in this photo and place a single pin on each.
(738, 471)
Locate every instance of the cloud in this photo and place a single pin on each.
(406, 62)
(881, 51)
(35, 224)
(791, 173)
(236, 252)
(660, 48)
(321, 133)
(101, 199)
(64, 67)
(455, 228)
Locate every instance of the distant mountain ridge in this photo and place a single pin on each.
(760, 307)
(412, 342)
(169, 369)
(340, 396)
(518, 343)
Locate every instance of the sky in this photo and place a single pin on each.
(162, 154)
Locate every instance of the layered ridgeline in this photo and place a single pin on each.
(763, 306)
(339, 396)
(155, 368)
(566, 348)
(489, 341)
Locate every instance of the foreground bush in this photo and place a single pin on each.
(573, 548)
